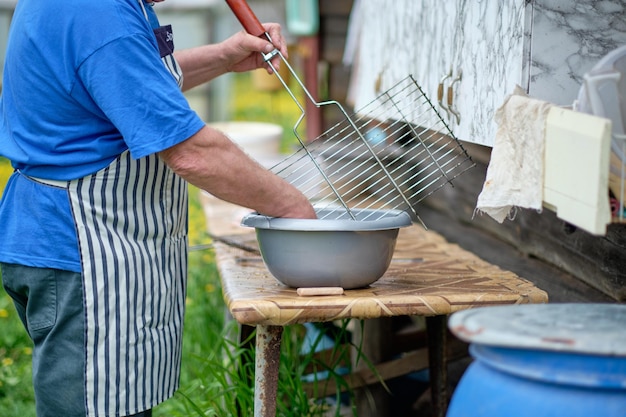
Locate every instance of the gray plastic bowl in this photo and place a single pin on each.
(331, 251)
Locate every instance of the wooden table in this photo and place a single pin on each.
(427, 277)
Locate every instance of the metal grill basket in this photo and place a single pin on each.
(391, 154)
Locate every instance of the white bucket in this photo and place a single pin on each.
(259, 140)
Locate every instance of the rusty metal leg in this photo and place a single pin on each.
(436, 328)
(267, 360)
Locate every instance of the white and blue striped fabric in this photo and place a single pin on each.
(132, 229)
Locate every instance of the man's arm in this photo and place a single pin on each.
(212, 162)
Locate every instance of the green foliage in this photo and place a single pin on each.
(16, 395)
(271, 106)
(5, 172)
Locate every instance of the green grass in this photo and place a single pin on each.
(16, 396)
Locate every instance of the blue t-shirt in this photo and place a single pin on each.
(83, 82)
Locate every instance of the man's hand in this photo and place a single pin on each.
(243, 51)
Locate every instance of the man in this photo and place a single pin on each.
(94, 218)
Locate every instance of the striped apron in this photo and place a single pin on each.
(131, 219)
(131, 222)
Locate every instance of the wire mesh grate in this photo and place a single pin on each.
(391, 154)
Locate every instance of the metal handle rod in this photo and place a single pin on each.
(252, 25)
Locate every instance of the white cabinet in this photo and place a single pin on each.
(489, 46)
(468, 52)
(486, 46)
(395, 39)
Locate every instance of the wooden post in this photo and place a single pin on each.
(309, 50)
(436, 327)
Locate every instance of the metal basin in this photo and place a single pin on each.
(331, 251)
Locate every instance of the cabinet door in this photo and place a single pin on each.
(487, 62)
(473, 49)
(398, 38)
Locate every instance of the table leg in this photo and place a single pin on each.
(436, 327)
(267, 360)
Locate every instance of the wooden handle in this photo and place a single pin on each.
(450, 96)
(313, 291)
(246, 17)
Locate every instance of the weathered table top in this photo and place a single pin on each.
(428, 276)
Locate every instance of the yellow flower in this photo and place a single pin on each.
(3, 313)
(209, 288)
(27, 351)
(7, 362)
(5, 172)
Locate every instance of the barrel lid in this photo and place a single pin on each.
(574, 327)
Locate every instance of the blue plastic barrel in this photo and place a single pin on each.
(542, 360)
